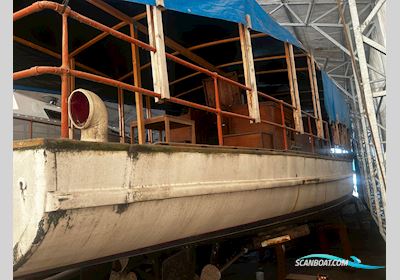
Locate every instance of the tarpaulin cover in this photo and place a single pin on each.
(230, 10)
(335, 104)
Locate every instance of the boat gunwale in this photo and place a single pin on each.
(59, 145)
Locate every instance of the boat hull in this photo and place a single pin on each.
(78, 201)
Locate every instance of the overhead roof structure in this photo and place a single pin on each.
(318, 25)
(348, 40)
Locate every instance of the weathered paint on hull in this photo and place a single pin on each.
(77, 201)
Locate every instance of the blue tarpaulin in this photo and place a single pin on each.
(231, 10)
(335, 104)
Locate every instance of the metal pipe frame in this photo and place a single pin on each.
(64, 79)
(227, 65)
(67, 73)
(55, 55)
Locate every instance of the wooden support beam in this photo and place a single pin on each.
(249, 73)
(317, 100)
(310, 77)
(137, 80)
(294, 90)
(158, 59)
(296, 87)
(315, 96)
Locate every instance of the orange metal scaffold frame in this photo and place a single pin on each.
(65, 72)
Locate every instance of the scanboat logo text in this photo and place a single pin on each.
(329, 260)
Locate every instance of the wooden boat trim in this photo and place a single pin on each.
(67, 144)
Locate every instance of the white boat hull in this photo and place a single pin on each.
(77, 201)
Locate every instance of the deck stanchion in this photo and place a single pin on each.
(218, 108)
(121, 115)
(283, 126)
(137, 82)
(64, 78)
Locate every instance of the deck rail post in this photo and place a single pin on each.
(249, 71)
(218, 108)
(64, 78)
(121, 115)
(294, 90)
(320, 129)
(137, 81)
(158, 58)
(315, 96)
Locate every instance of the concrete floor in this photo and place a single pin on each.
(366, 243)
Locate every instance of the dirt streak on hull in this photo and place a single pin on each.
(78, 201)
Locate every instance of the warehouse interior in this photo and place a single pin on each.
(330, 52)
